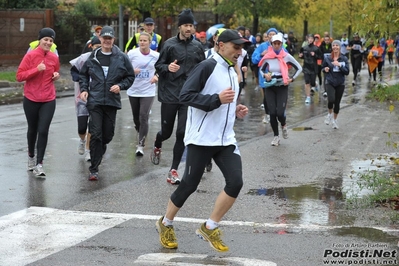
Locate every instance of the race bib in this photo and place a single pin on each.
(336, 68)
(144, 74)
(105, 69)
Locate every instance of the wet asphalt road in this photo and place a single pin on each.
(66, 186)
(62, 159)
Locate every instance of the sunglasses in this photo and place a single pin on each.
(276, 43)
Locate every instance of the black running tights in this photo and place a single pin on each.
(39, 116)
(334, 94)
(227, 158)
(276, 97)
(168, 117)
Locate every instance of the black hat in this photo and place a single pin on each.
(186, 17)
(231, 36)
(46, 32)
(95, 40)
(107, 31)
(148, 21)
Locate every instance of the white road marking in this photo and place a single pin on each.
(30, 235)
(179, 259)
(35, 233)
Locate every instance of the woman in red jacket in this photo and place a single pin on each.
(39, 69)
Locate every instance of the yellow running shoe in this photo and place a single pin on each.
(213, 237)
(167, 235)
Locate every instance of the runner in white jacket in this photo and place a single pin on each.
(211, 92)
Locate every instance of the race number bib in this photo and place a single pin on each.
(144, 74)
(336, 68)
(105, 69)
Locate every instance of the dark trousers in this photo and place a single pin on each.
(225, 157)
(39, 117)
(101, 128)
(390, 57)
(276, 97)
(334, 94)
(356, 61)
(83, 122)
(379, 68)
(265, 102)
(168, 116)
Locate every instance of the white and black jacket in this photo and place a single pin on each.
(210, 123)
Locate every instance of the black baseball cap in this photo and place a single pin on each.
(107, 31)
(148, 21)
(231, 36)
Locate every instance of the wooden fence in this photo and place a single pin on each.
(18, 28)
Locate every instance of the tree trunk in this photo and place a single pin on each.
(146, 14)
(216, 15)
(255, 25)
(350, 32)
(305, 29)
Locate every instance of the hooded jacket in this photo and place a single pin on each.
(93, 80)
(188, 53)
(210, 123)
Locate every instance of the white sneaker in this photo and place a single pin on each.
(285, 131)
(31, 163)
(353, 82)
(81, 147)
(325, 94)
(328, 119)
(275, 141)
(266, 119)
(308, 100)
(139, 151)
(87, 156)
(334, 124)
(38, 170)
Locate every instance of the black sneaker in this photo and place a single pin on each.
(93, 176)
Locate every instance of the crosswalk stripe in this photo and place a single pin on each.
(35, 233)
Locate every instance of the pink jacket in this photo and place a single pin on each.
(39, 86)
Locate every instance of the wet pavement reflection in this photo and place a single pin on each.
(371, 234)
(297, 111)
(312, 203)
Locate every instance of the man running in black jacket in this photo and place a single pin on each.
(178, 57)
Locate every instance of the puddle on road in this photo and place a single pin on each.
(310, 204)
(302, 128)
(371, 234)
(322, 203)
(384, 163)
